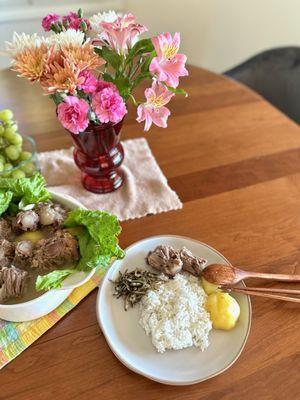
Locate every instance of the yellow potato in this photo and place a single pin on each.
(31, 236)
(224, 310)
(208, 287)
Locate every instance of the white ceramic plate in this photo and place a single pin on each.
(134, 349)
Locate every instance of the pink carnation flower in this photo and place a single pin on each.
(109, 105)
(74, 22)
(87, 82)
(73, 114)
(104, 84)
(49, 20)
(154, 109)
(168, 65)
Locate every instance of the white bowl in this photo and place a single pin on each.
(48, 301)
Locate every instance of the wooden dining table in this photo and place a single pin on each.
(234, 161)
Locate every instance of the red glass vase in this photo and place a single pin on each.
(98, 153)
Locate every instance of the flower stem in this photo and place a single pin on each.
(136, 103)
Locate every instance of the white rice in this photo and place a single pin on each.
(174, 315)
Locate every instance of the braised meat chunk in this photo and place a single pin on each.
(7, 251)
(12, 282)
(165, 259)
(56, 251)
(26, 221)
(51, 213)
(23, 254)
(5, 229)
(191, 264)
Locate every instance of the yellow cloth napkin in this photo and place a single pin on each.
(15, 337)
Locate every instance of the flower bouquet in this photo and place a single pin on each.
(90, 68)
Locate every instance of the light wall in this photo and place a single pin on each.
(218, 34)
(26, 15)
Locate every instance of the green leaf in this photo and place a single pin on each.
(98, 51)
(140, 78)
(147, 62)
(5, 199)
(177, 91)
(111, 57)
(123, 85)
(53, 280)
(141, 47)
(98, 242)
(107, 77)
(26, 190)
(58, 97)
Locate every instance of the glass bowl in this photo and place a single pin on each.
(25, 167)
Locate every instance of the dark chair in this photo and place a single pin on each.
(275, 74)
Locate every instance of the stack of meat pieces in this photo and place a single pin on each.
(166, 259)
(58, 247)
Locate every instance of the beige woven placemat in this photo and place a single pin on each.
(145, 191)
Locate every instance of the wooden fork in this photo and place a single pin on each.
(266, 292)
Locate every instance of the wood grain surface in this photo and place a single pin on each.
(234, 160)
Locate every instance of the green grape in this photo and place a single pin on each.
(1, 166)
(10, 130)
(2, 159)
(7, 166)
(6, 115)
(25, 155)
(12, 152)
(29, 168)
(3, 142)
(2, 130)
(15, 138)
(17, 174)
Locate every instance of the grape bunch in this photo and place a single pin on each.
(11, 153)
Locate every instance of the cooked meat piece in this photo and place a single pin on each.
(165, 259)
(191, 264)
(12, 282)
(56, 251)
(51, 214)
(5, 229)
(26, 221)
(7, 250)
(23, 254)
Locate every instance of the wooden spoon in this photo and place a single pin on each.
(222, 274)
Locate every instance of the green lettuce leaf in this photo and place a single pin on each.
(24, 191)
(53, 280)
(98, 242)
(97, 234)
(5, 200)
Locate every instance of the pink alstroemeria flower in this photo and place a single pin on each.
(168, 65)
(121, 34)
(49, 20)
(73, 114)
(87, 82)
(154, 109)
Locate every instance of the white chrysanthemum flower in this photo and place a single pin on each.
(65, 38)
(22, 41)
(96, 19)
